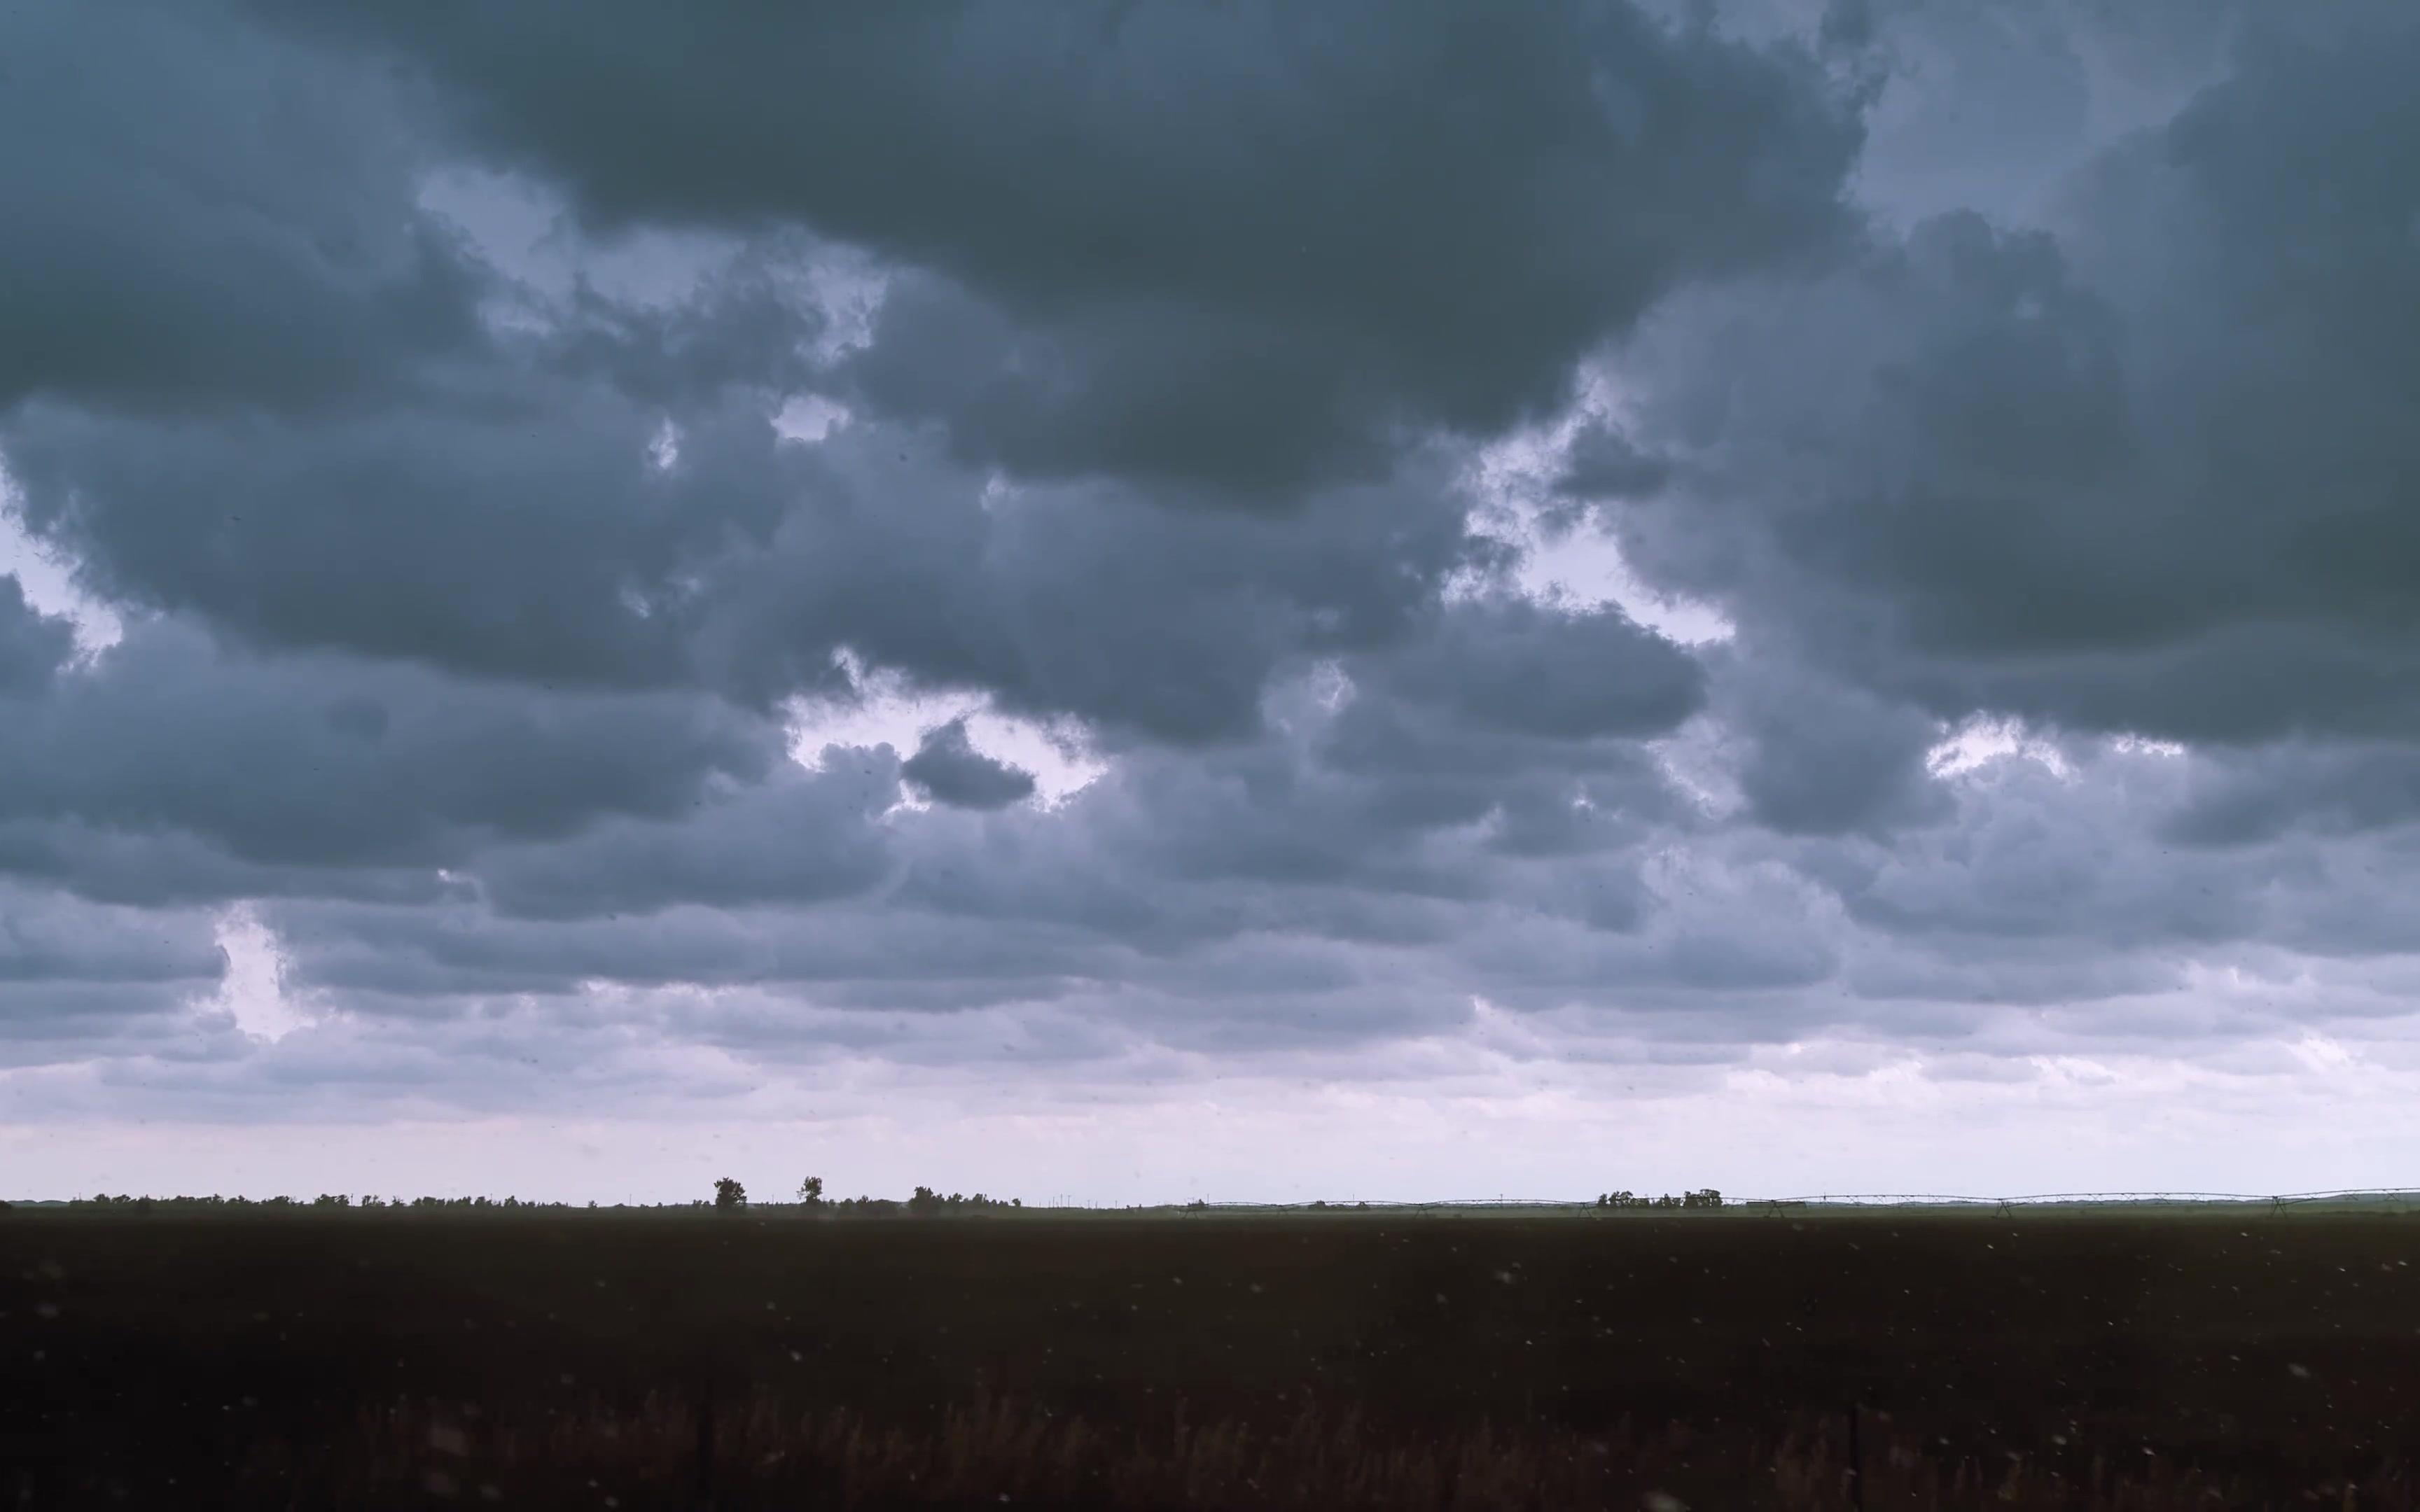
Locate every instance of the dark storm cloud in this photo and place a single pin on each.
(33, 645)
(165, 868)
(2147, 472)
(70, 1019)
(2036, 857)
(527, 527)
(1236, 244)
(950, 770)
(1603, 463)
(793, 837)
(1522, 721)
(322, 759)
(1505, 663)
(567, 534)
(1977, 976)
(246, 374)
(1358, 790)
(1087, 599)
(214, 216)
(2050, 887)
(1243, 844)
(49, 935)
(834, 952)
(1023, 906)
(781, 977)
(742, 326)
(470, 565)
(1719, 933)
(1822, 757)
(1236, 841)
(2250, 797)
(73, 972)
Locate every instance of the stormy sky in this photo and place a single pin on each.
(1133, 600)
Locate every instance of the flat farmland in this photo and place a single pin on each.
(681, 1358)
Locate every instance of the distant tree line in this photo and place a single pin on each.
(730, 1194)
(325, 1199)
(1707, 1197)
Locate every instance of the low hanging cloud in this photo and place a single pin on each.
(948, 767)
(494, 430)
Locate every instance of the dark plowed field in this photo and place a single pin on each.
(411, 1359)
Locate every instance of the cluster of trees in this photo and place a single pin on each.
(928, 1203)
(515, 1203)
(1709, 1197)
(729, 1196)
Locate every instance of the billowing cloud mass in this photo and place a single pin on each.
(595, 561)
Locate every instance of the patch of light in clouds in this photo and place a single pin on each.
(529, 234)
(809, 418)
(891, 714)
(1585, 567)
(1982, 740)
(1573, 561)
(252, 992)
(49, 582)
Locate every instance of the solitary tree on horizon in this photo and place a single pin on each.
(729, 1194)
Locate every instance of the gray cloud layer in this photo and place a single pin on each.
(1169, 359)
(1350, 221)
